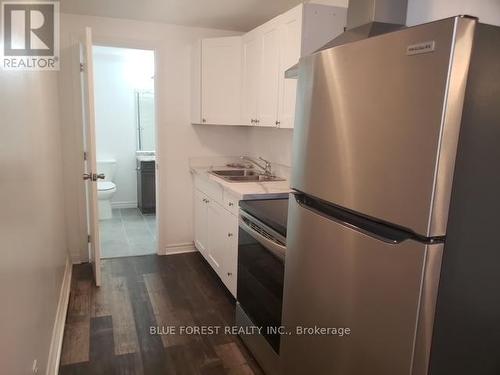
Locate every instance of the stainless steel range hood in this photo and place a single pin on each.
(366, 18)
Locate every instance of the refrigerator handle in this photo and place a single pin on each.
(382, 231)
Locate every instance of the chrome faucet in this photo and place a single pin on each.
(266, 168)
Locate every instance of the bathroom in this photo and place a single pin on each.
(125, 145)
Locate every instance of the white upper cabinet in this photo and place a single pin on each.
(217, 100)
(269, 35)
(266, 97)
(250, 62)
(290, 42)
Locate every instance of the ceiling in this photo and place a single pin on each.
(241, 15)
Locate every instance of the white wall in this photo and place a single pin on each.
(272, 144)
(421, 11)
(118, 73)
(177, 138)
(32, 225)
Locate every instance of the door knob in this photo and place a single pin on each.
(87, 176)
(99, 176)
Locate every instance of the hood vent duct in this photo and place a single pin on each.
(365, 19)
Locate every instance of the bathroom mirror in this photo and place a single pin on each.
(145, 110)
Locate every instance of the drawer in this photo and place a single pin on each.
(230, 202)
(211, 189)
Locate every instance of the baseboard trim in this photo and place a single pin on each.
(181, 248)
(124, 204)
(60, 320)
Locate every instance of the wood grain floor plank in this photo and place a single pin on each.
(100, 297)
(76, 343)
(230, 355)
(79, 301)
(124, 330)
(108, 328)
(128, 364)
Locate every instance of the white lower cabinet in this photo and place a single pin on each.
(216, 235)
(200, 222)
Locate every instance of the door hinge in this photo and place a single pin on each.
(88, 238)
(82, 68)
(85, 155)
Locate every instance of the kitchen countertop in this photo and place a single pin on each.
(246, 190)
(146, 158)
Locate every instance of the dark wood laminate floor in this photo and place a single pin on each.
(108, 328)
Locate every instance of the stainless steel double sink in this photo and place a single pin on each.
(244, 175)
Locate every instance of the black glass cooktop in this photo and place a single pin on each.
(272, 212)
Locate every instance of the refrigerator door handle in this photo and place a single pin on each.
(376, 229)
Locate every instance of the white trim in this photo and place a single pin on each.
(130, 204)
(180, 248)
(60, 320)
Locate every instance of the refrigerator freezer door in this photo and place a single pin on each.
(378, 120)
(336, 276)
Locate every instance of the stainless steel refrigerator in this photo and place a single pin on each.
(392, 228)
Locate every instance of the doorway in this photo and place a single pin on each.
(125, 150)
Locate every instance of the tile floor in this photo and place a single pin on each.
(128, 233)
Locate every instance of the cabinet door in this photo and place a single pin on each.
(250, 82)
(231, 253)
(221, 81)
(269, 74)
(217, 235)
(200, 222)
(290, 44)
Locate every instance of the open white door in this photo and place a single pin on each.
(90, 176)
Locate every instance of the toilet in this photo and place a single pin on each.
(106, 188)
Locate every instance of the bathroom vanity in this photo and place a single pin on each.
(146, 192)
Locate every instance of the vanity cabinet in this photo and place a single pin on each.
(146, 186)
(266, 97)
(216, 81)
(216, 230)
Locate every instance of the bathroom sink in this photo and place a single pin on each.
(244, 175)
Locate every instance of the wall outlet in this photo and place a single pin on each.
(35, 367)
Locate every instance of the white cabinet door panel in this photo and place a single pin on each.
(231, 255)
(216, 237)
(290, 42)
(251, 70)
(221, 80)
(200, 222)
(269, 74)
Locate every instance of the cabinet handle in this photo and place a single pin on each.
(204, 120)
(278, 124)
(230, 274)
(231, 204)
(257, 121)
(252, 121)
(230, 235)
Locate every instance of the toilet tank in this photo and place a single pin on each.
(108, 167)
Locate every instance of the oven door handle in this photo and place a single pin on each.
(275, 248)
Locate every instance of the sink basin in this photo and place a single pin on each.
(235, 172)
(244, 175)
